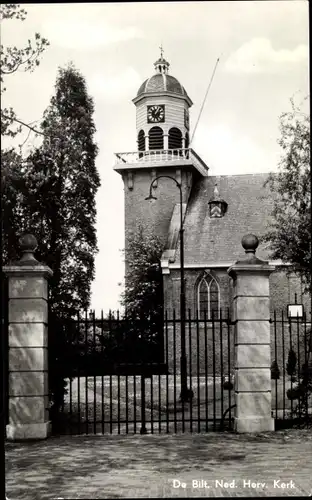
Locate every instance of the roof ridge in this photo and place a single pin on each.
(165, 81)
(239, 175)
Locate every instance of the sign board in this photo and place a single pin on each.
(295, 310)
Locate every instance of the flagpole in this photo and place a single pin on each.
(202, 106)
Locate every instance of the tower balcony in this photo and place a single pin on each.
(160, 158)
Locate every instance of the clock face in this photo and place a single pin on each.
(156, 113)
(186, 119)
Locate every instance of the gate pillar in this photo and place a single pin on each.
(251, 314)
(28, 345)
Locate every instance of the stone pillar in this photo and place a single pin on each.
(28, 345)
(251, 304)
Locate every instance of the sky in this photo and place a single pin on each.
(264, 61)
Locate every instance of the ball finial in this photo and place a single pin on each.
(28, 244)
(250, 243)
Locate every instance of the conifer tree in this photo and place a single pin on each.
(61, 184)
(12, 215)
(291, 362)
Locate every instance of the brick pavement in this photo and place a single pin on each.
(146, 466)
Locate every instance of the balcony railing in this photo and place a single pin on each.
(153, 155)
(187, 155)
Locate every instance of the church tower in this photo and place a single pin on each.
(163, 148)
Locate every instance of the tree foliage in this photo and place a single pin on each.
(291, 362)
(13, 166)
(12, 192)
(60, 188)
(143, 294)
(13, 59)
(290, 233)
(275, 373)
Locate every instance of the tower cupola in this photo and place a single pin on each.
(162, 107)
(161, 65)
(162, 82)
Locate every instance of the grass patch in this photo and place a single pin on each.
(107, 405)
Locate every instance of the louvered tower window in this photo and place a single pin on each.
(187, 140)
(208, 298)
(175, 138)
(141, 140)
(156, 138)
(187, 144)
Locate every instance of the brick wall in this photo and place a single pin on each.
(212, 354)
(172, 286)
(282, 291)
(155, 214)
(283, 287)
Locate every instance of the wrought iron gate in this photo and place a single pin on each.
(124, 377)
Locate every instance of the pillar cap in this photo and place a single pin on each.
(27, 263)
(28, 244)
(250, 243)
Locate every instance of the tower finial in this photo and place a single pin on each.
(161, 65)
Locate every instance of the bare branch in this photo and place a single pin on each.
(21, 145)
(18, 64)
(25, 125)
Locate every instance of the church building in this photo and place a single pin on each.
(217, 211)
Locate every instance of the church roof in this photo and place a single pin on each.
(162, 82)
(209, 239)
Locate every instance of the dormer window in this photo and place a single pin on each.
(217, 206)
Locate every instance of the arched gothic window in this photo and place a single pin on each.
(175, 138)
(208, 298)
(141, 140)
(156, 138)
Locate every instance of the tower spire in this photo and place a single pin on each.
(161, 65)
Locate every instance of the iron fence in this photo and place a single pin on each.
(4, 353)
(291, 370)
